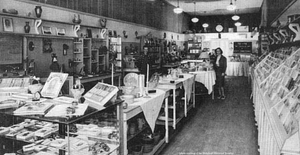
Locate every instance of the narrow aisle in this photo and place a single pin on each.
(219, 126)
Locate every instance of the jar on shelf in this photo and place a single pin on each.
(38, 11)
(27, 27)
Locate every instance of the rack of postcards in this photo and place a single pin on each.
(276, 101)
(272, 62)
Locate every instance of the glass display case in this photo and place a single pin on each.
(94, 132)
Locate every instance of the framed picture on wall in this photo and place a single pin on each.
(8, 24)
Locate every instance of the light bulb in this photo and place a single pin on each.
(195, 20)
(235, 17)
(178, 10)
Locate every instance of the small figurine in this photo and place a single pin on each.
(54, 66)
(77, 91)
(35, 89)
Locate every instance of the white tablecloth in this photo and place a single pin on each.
(208, 78)
(237, 69)
(151, 106)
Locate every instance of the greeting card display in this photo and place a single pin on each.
(100, 94)
(53, 84)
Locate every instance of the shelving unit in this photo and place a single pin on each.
(115, 46)
(100, 54)
(154, 47)
(275, 97)
(90, 56)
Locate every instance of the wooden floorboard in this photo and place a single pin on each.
(219, 126)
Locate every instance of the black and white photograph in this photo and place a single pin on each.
(149, 77)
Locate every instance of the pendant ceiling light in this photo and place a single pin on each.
(231, 7)
(235, 17)
(205, 25)
(195, 19)
(237, 24)
(178, 10)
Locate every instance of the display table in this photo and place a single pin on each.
(188, 83)
(150, 107)
(237, 69)
(208, 78)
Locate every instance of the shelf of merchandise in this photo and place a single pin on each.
(275, 96)
(87, 56)
(36, 31)
(154, 47)
(64, 125)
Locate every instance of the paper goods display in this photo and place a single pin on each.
(100, 94)
(14, 82)
(64, 99)
(53, 84)
(64, 110)
(34, 108)
(9, 103)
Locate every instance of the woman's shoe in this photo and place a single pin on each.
(223, 97)
(219, 97)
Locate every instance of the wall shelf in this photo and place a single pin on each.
(16, 15)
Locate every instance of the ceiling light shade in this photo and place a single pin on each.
(238, 24)
(195, 20)
(205, 25)
(178, 10)
(235, 17)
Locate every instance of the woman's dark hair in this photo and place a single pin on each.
(219, 49)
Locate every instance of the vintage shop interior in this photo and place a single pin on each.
(137, 77)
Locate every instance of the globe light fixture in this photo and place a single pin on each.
(205, 25)
(235, 17)
(231, 7)
(178, 10)
(237, 24)
(195, 19)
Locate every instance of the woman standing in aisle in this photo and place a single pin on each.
(220, 66)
